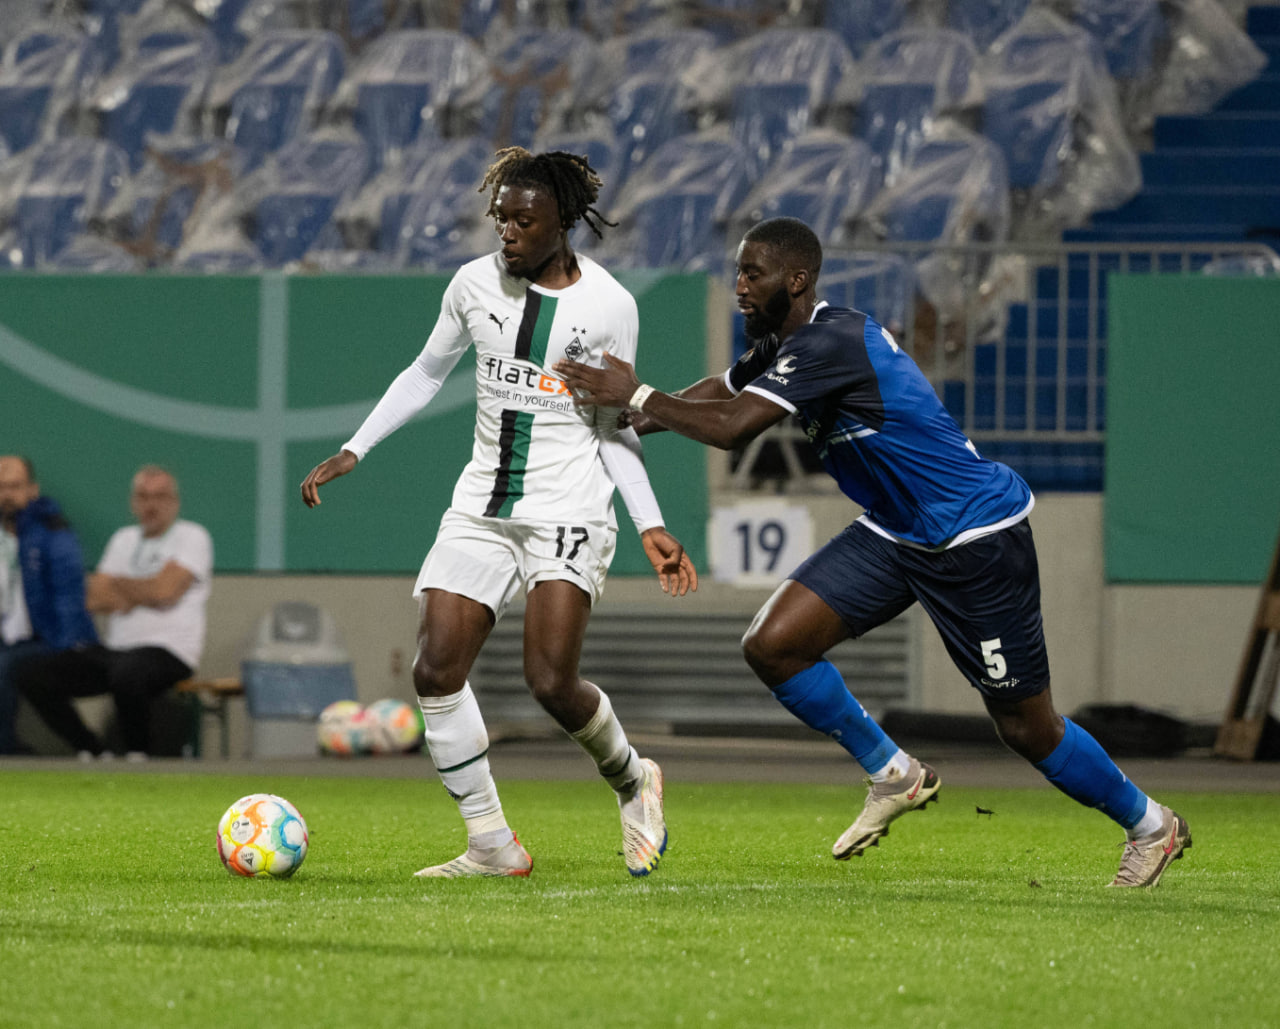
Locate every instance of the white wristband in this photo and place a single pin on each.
(638, 398)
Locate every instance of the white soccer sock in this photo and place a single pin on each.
(603, 739)
(894, 768)
(1149, 822)
(458, 745)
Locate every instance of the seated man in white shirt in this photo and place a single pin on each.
(152, 585)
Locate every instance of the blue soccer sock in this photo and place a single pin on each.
(1081, 769)
(820, 699)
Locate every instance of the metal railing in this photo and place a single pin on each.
(1012, 337)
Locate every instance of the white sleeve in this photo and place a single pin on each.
(620, 449)
(414, 387)
(624, 461)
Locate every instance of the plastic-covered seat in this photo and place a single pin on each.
(296, 191)
(645, 111)
(152, 209)
(984, 20)
(660, 50)
(675, 208)
(157, 88)
(410, 82)
(275, 90)
(57, 187)
(1051, 107)
(89, 253)
(882, 285)
(823, 177)
(907, 80)
(43, 75)
(955, 190)
(771, 86)
(536, 76)
(1129, 31)
(861, 22)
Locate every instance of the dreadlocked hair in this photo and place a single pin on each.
(570, 180)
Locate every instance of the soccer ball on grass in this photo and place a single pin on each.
(262, 835)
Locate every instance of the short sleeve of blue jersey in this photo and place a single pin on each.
(824, 358)
(752, 364)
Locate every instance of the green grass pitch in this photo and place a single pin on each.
(114, 911)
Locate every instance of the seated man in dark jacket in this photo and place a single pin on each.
(42, 604)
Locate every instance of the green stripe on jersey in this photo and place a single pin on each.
(513, 460)
(541, 333)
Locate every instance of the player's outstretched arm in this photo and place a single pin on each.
(326, 471)
(727, 424)
(667, 555)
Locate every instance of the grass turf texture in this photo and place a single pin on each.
(114, 911)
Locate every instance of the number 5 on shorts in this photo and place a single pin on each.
(993, 659)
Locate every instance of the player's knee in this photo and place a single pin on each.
(765, 650)
(548, 684)
(431, 680)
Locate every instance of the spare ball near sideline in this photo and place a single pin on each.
(262, 835)
(344, 729)
(395, 727)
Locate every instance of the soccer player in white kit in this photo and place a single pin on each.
(533, 507)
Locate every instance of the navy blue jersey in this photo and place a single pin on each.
(881, 431)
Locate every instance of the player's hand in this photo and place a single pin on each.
(610, 386)
(675, 571)
(326, 471)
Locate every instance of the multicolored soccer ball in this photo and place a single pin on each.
(344, 729)
(394, 727)
(262, 835)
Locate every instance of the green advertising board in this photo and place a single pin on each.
(241, 385)
(1193, 429)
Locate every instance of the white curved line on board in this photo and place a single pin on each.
(192, 417)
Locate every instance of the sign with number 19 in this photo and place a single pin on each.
(758, 543)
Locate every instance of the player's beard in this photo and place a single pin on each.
(761, 322)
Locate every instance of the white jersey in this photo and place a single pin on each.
(536, 454)
(180, 627)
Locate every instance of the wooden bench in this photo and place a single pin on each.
(213, 695)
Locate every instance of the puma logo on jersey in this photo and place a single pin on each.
(494, 318)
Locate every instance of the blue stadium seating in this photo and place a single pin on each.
(910, 78)
(276, 89)
(645, 112)
(537, 76)
(882, 285)
(66, 182)
(984, 20)
(861, 22)
(823, 177)
(766, 116)
(677, 205)
(164, 79)
(41, 78)
(1129, 31)
(306, 179)
(410, 81)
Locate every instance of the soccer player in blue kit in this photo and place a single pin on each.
(943, 526)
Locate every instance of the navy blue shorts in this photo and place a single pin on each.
(984, 597)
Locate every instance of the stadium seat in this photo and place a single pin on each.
(984, 20)
(908, 79)
(62, 184)
(676, 206)
(42, 77)
(1051, 107)
(861, 22)
(89, 253)
(1129, 31)
(157, 88)
(882, 285)
(766, 116)
(660, 50)
(410, 82)
(536, 76)
(645, 111)
(275, 90)
(295, 193)
(822, 177)
(151, 210)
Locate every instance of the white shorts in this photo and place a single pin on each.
(489, 559)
